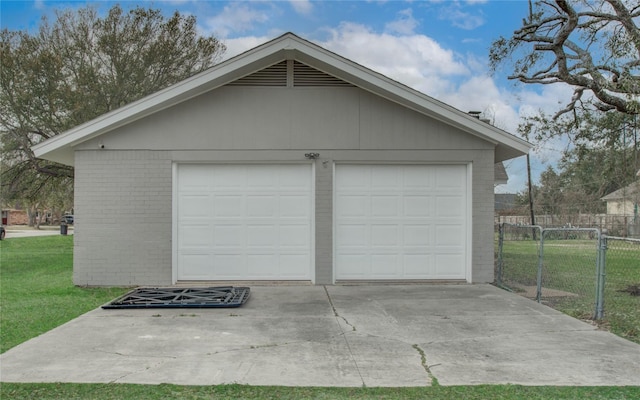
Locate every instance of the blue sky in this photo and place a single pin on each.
(439, 47)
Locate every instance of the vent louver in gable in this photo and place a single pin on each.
(275, 75)
(302, 76)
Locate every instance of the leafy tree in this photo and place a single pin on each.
(602, 155)
(77, 68)
(593, 46)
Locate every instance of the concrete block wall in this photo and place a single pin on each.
(324, 222)
(122, 218)
(482, 218)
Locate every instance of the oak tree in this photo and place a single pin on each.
(78, 67)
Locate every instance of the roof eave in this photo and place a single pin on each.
(287, 46)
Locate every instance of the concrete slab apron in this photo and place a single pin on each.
(334, 336)
(478, 334)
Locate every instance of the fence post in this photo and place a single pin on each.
(500, 244)
(601, 269)
(540, 262)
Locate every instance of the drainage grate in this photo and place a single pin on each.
(211, 297)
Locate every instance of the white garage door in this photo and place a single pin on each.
(244, 222)
(401, 222)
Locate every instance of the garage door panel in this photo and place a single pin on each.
(196, 206)
(384, 178)
(418, 235)
(353, 266)
(227, 177)
(449, 266)
(293, 180)
(227, 206)
(295, 206)
(417, 206)
(350, 235)
(289, 265)
(251, 222)
(261, 265)
(352, 179)
(200, 265)
(393, 221)
(384, 266)
(449, 235)
(385, 235)
(294, 236)
(228, 236)
(449, 206)
(418, 265)
(262, 206)
(195, 235)
(265, 235)
(416, 178)
(385, 206)
(353, 206)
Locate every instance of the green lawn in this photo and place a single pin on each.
(569, 266)
(36, 290)
(37, 295)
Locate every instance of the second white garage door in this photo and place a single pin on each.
(401, 222)
(244, 222)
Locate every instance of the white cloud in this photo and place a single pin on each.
(235, 18)
(239, 45)
(415, 60)
(303, 7)
(459, 18)
(404, 24)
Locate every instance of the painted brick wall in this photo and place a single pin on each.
(122, 218)
(483, 212)
(324, 222)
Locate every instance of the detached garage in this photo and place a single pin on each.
(285, 163)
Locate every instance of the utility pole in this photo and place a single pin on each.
(533, 217)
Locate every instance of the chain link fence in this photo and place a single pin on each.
(577, 271)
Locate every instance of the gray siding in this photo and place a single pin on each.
(263, 118)
(124, 192)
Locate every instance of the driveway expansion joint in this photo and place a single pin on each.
(335, 311)
(346, 340)
(427, 368)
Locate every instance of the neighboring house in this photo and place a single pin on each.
(624, 201)
(285, 163)
(12, 216)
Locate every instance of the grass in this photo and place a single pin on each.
(37, 295)
(570, 266)
(143, 392)
(36, 289)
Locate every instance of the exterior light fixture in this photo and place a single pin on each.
(312, 156)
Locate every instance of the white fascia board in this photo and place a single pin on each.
(59, 147)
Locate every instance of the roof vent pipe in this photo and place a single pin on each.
(475, 114)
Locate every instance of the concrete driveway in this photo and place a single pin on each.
(406, 335)
(17, 231)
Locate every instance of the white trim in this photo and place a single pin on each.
(312, 224)
(469, 223)
(175, 195)
(174, 223)
(468, 256)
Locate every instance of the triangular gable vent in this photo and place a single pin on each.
(289, 74)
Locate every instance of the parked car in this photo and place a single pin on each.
(2, 232)
(68, 219)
